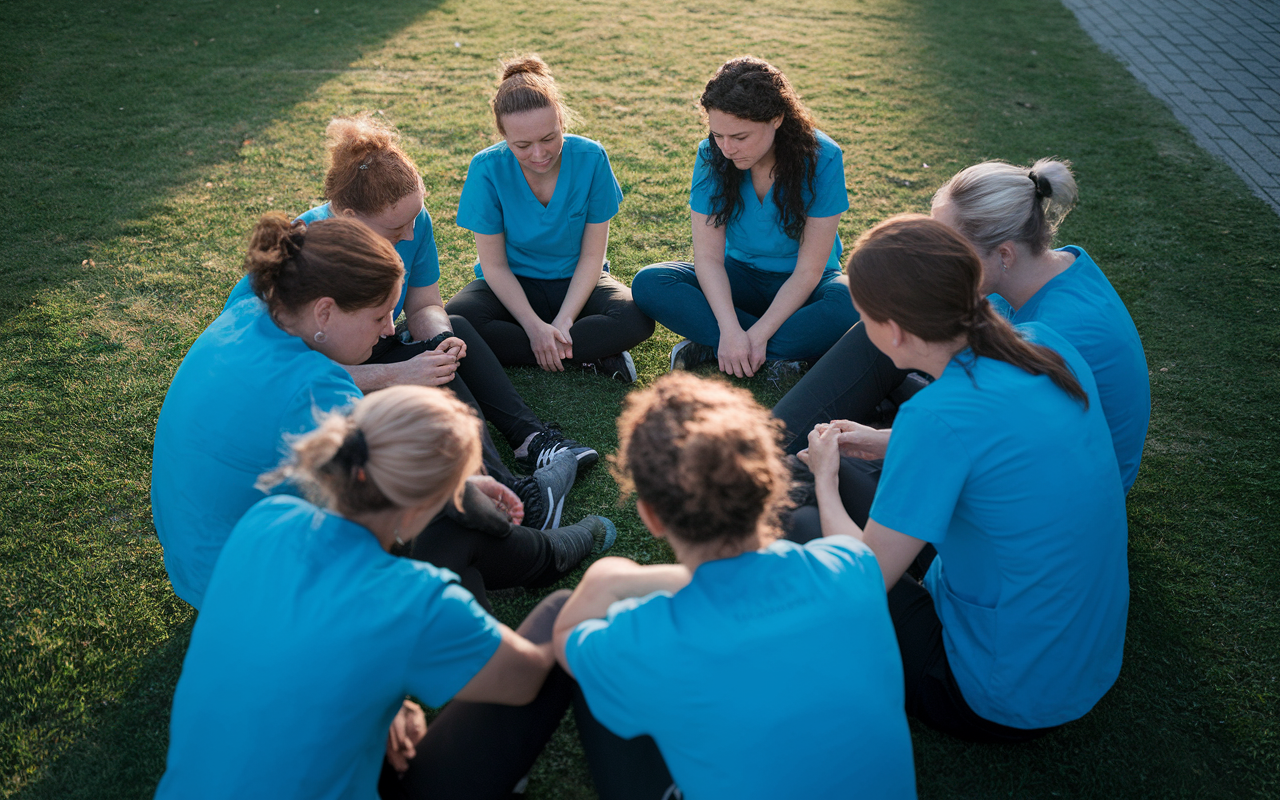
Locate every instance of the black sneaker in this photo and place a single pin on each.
(544, 446)
(689, 354)
(783, 373)
(620, 367)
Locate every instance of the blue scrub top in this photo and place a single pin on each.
(543, 242)
(419, 255)
(244, 385)
(772, 674)
(755, 236)
(1082, 305)
(309, 640)
(1016, 485)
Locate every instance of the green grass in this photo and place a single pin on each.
(143, 140)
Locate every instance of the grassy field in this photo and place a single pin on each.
(144, 138)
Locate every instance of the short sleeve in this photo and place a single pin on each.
(424, 267)
(703, 189)
(325, 392)
(830, 197)
(457, 639)
(925, 470)
(480, 207)
(606, 194)
(608, 657)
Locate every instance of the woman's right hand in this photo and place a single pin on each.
(734, 352)
(823, 453)
(550, 345)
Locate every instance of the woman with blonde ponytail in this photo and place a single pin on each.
(539, 203)
(312, 634)
(322, 296)
(1004, 464)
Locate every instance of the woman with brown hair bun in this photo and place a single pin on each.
(312, 634)
(321, 296)
(768, 191)
(1005, 464)
(539, 203)
(748, 645)
(370, 178)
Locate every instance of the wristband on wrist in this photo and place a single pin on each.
(438, 339)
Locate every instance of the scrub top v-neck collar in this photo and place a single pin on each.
(556, 194)
(751, 190)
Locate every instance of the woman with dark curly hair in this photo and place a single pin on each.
(768, 190)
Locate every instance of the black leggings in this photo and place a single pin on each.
(849, 382)
(609, 323)
(481, 383)
(475, 751)
(485, 550)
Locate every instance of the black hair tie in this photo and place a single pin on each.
(1043, 187)
(354, 452)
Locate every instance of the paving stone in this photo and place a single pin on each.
(1215, 62)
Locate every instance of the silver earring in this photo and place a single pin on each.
(1004, 267)
(320, 337)
(396, 533)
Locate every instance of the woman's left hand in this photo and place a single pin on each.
(823, 453)
(563, 325)
(506, 500)
(453, 346)
(407, 729)
(759, 346)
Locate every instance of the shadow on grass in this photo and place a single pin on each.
(107, 108)
(122, 751)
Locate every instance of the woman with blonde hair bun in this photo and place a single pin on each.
(312, 634)
(539, 203)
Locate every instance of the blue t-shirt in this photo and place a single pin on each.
(1016, 484)
(310, 638)
(543, 242)
(244, 385)
(419, 255)
(1081, 304)
(755, 235)
(772, 674)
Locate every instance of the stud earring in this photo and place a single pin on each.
(320, 337)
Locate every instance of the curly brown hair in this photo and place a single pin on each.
(705, 457)
(753, 89)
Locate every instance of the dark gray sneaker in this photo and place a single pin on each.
(620, 367)
(782, 374)
(573, 543)
(554, 482)
(547, 443)
(689, 354)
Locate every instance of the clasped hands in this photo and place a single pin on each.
(551, 343)
(436, 367)
(828, 441)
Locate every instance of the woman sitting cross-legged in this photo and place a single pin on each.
(761, 668)
(768, 190)
(311, 634)
(539, 203)
(1005, 464)
(322, 295)
(1009, 214)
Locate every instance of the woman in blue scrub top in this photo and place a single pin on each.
(768, 190)
(312, 633)
(1004, 464)
(322, 295)
(761, 668)
(539, 203)
(1010, 215)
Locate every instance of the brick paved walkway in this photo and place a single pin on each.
(1216, 63)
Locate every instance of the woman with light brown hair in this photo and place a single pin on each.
(539, 203)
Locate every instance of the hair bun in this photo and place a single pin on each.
(274, 242)
(530, 64)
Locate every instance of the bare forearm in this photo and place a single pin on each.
(428, 322)
(791, 295)
(832, 515)
(372, 377)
